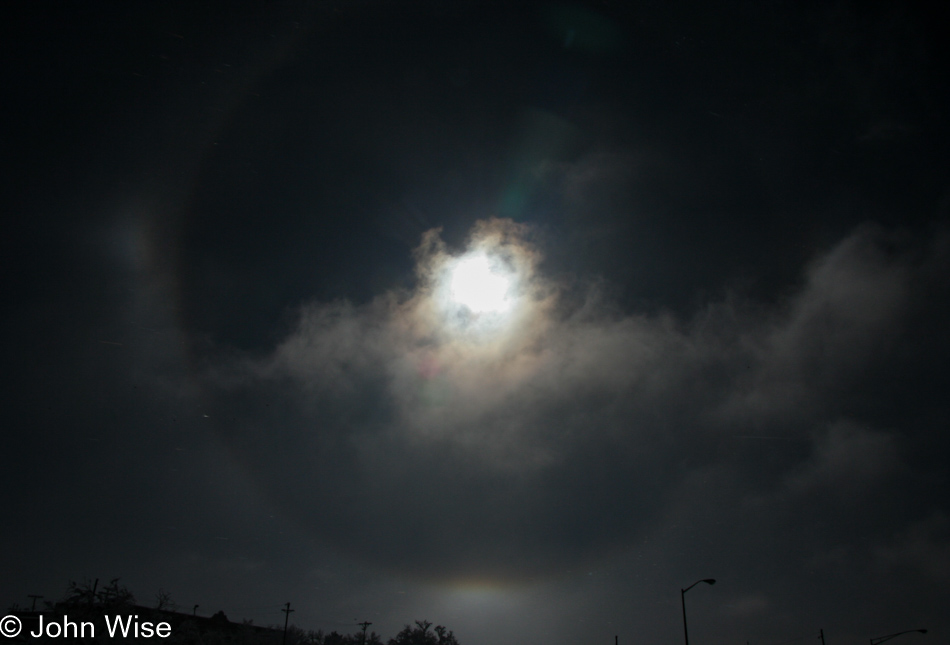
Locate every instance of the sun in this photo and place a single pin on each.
(485, 297)
(477, 285)
(479, 292)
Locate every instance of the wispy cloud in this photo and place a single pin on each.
(420, 444)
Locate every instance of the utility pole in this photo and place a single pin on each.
(708, 581)
(821, 635)
(286, 611)
(35, 598)
(683, 602)
(364, 625)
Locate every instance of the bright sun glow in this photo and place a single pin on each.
(477, 285)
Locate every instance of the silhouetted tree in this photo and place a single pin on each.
(297, 636)
(446, 637)
(86, 594)
(420, 635)
(163, 600)
(335, 638)
(80, 593)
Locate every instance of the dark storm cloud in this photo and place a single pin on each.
(845, 460)
(460, 457)
(924, 546)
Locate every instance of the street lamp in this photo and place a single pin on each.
(881, 639)
(708, 581)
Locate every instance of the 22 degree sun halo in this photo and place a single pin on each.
(478, 286)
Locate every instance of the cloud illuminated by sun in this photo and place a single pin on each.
(480, 285)
(486, 294)
(468, 336)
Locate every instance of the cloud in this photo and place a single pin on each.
(847, 458)
(745, 606)
(425, 445)
(923, 546)
(848, 313)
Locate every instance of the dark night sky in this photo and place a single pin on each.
(233, 371)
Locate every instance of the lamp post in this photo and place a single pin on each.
(881, 639)
(708, 581)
